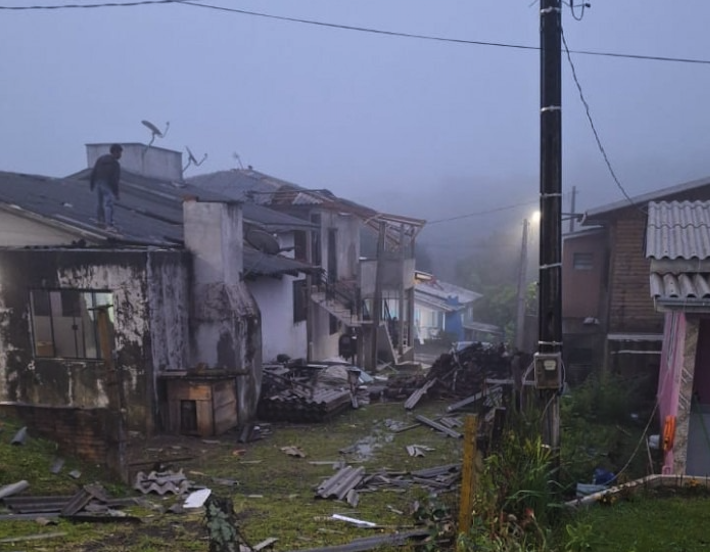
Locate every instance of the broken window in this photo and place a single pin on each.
(65, 322)
(583, 261)
(300, 300)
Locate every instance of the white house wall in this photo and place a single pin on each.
(17, 231)
(279, 333)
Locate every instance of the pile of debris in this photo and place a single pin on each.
(350, 481)
(90, 503)
(307, 392)
(458, 374)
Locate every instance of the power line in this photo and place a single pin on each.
(486, 212)
(82, 6)
(697, 61)
(591, 123)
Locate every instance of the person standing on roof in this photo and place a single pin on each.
(105, 177)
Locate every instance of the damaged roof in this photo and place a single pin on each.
(268, 190)
(444, 295)
(149, 214)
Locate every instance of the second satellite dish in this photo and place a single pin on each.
(262, 241)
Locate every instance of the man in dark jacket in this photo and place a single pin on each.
(105, 178)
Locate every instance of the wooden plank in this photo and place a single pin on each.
(205, 420)
(468, 473)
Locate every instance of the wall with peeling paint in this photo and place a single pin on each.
(139, 308)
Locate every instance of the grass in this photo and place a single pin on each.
(274, 492)
(649, 524)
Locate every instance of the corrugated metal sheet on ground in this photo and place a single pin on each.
(161, 483)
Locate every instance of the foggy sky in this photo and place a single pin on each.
(420, 128)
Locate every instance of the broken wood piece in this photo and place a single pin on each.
(439, 427)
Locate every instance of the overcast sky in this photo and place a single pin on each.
(422, 128)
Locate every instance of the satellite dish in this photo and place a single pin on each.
(192, 160)
(152, 128)
(154, 131)
(262, 241)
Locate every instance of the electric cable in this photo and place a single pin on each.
(371, 30)
(597, 138)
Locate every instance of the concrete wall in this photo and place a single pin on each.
(225, 322)
(16, 231)
(279, 333)
(153, 161)
(62, 382)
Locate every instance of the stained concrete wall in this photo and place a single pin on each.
(225, 321)
(61, 382)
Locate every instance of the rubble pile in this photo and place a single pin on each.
(300, 394)
(457, 374)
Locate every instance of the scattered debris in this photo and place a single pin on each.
(20, 437)
(13, 488)
(90, 503)
(304, 392)
(292, 450)
(374, 542)
(339, 485)
(75, 474)
(354, 521)
(57, 465)
(418, 450)
(460, 374)
(264, 544)
(439, 427)
(196, 499)
(162, 482)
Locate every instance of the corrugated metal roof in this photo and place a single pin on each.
(685, 286)
(678, 230)
(642, 199)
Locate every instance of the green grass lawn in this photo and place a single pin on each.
(679, 523)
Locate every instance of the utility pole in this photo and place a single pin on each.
(522, 290)
(377, 299)
(548, 360)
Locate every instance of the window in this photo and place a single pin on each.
(300, 249)
(65, 322)
(583, 261)
(300, 300)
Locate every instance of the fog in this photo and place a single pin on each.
(425, 128)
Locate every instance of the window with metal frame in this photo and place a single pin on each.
(583, 261)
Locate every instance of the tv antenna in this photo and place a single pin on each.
(239, 160)
(192, 160)
(155, 131)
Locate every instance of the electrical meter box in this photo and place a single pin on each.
(548, 370)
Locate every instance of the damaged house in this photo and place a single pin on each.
(105, 335)
(369, 299)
